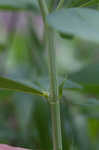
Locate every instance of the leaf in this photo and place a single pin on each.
(68, 85)
(60, 88)
(90, 3)
(5, 94)
(16, 4)
(83, 3)
(66, 36)
(13, 85)
(72, 85)
(91, 102)
(88, 78)
(43, 82)
(89, 107)
(24, 107)
(77, 2)
(79, 22)
(81, 100)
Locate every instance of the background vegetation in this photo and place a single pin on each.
(24, 118)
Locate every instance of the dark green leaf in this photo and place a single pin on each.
(83, 3)
(9, 84)
(66, 36)
(80, 22)
(5, 94)
(72, 85)
(16, 4)
(88, 78)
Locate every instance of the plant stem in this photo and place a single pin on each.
(53, 96)
(44, 9)
(61, 2)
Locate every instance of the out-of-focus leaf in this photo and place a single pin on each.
(80, 100)
(16, 4)
(9, 84)
(79, 22)
(42, 124)
(90, 3)
(62, 84)
(89, 107)
(91, 102)
(83, 3)
(2, 46)
(23, 108)
(4, 94)
(72, 85)
(85, 50)
(89, 74)
(88, 78)
(66, 36)
(77, 123)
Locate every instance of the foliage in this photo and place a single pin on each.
(25, 119)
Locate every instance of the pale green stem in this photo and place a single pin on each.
(53, 96)
(44, 9)
(61, 2)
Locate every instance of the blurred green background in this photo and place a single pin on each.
(25, 119)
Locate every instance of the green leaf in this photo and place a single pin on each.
(60, 88)
(78, 2)
(91, 102)
(88, 78)
(5, 94)
(13, 85)
(83, 3)
(66, 36)
(16, 4)
(90, 3)
(79, 22)
(80, 100)
(68, 85)
(43, 82)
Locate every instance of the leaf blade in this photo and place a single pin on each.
(79, 22)
(13, 85)
(88, 78)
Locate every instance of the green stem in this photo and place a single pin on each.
(61, 2)
(53, 96)
(44, 9)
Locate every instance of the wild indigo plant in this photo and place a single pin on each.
(71, 21)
